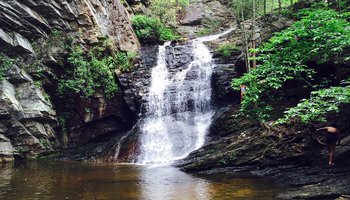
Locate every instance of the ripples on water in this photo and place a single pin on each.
(75, 180)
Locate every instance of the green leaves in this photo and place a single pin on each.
(167, 10)
(226, 50)
(124, 60)
(317, 106)
(320, 34)
(94, 70)
(151, 30)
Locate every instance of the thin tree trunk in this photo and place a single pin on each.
(272, 5)
(245, 39)
(253, 34)
(265, 2)
(280, 6)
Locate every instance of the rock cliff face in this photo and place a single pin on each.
(28, 118)
(206, 17)
(23, 21)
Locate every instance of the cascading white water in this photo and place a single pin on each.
(178, 107)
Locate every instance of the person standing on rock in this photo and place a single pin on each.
(332, 137)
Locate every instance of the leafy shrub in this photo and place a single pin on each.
(89, 74)
(167, 10)
(124, 60)
(151, 30)
(320, 34)
(94, 70)
(211, 26)
(204, 32)
(226, 50)
(318, 105)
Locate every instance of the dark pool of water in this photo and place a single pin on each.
(76, 180)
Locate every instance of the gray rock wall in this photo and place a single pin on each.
(22, 21)
(28, 121)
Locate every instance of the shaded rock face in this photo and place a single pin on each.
(99, 118)
(28, 120)
(24, 20)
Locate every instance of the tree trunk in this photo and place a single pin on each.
(280, 6)
(254, 33)
(245, 38)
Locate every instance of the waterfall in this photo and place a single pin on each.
(178, 109)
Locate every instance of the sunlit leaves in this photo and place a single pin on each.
(318, 105)
(94, 70)
(152, 30)
(319, 35)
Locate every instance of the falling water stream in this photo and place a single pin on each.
(178, 106)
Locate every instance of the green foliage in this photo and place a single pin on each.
(226, 50)
(167, 10)
(57, 39)
(124, 60)
(210, 26)
(247, 6)
(320, 34)
(152, 30)
(38, 84)
(90, 73)
(204, 32)
(5, 64)
(318, 105)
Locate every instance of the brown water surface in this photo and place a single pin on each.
(76, 180)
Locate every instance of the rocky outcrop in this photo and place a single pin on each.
(291, 156)
(205, 17)
(28, 119)
(24, 21)
(97, 118)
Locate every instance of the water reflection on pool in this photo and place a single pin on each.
(75, 180)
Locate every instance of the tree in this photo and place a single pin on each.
(254, 33)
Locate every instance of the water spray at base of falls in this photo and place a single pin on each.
(178, 110)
